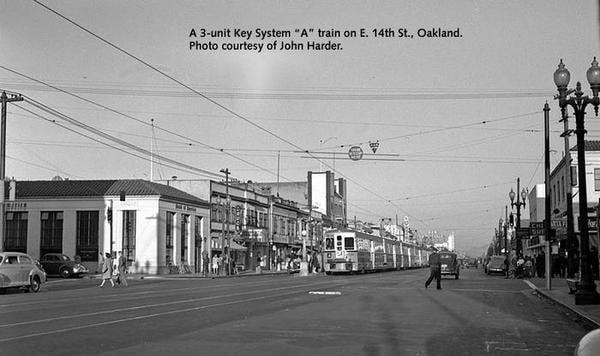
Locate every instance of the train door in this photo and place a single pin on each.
(372, 255)
(385, 251)
(339, 249)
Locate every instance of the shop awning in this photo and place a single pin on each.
(236, 247)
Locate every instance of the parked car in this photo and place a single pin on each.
(19, 270)
(471, 262)
(57, 264)
(496, 264)
(450, 264)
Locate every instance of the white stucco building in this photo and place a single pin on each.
(156, 226)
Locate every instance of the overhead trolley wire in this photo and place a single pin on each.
(436, 130)
(313, 95)
(139, 120)
(223, 107)
(64, 117)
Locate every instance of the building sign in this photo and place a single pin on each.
(15, 206)
(592, 224)
(537, 228)
(184, 207)
(319, 192)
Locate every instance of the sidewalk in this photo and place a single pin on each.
(197, 275)
(559, 294)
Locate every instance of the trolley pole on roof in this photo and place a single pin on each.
(4, 99)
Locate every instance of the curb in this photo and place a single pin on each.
(183, 276)
(586, 320)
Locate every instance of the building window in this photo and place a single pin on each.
(16, 231)
(265, 220)
(51, 232)
(214, 212)
(281, 226)
(129, 235)
(198, 231)
(185, 228)
(87, 235)
(574, 176)
(252, 218)
(562, 183)
(597, 179)
(169, 223)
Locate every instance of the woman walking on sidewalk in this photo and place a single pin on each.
(107, 270)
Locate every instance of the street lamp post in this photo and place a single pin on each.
(520, 202)
(586, 291)
(506, 233)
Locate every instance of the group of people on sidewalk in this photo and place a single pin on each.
(218, 265)
(112, 272)
(518, 266)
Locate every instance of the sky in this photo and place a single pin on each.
(458, 120)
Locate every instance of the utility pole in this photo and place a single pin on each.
(278, 158)
(270, 235)
(151, 149)
(227, 206)
(4, 99)
(547, 219)
(571, 238)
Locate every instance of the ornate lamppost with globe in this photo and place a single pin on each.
(586, 290)
(519, 203)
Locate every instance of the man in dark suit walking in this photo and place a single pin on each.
(435, 267)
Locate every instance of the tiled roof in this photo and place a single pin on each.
(100, 188)
(590, 145)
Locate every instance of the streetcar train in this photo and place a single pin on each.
(349, 251)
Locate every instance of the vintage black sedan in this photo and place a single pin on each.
(57, 264)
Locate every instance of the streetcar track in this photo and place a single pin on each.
(140, 317)
(150, 306)
(297, 289)
(118, 296)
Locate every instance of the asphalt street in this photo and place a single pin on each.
(387, 313)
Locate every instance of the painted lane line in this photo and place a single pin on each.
(325, 293)
(146, 306)
(147, 316)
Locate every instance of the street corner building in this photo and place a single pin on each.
(159, 228)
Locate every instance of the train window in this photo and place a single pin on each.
(329, 243)
(349, 243)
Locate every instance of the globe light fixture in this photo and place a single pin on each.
(586, 290)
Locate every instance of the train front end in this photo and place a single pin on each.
(341, 255)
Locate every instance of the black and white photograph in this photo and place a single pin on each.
(276, 177)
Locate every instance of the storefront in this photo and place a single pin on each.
(158, 228)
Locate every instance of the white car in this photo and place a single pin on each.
(20, 270)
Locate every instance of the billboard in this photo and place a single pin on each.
(318, 191)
